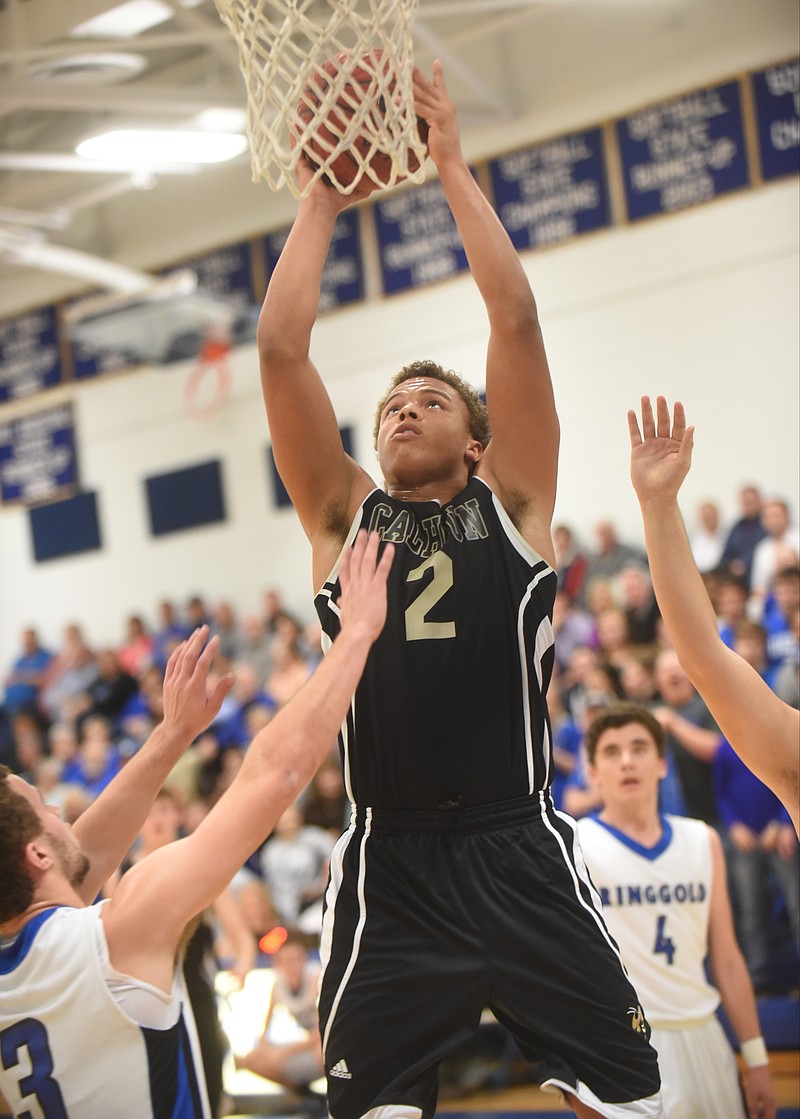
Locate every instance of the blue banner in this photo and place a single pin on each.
(552, 191)
(343, 274)
(683, 152)
(777, 100)
(418, 238)
(29, 354)
(37, 455)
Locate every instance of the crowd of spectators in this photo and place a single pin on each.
(73, 715)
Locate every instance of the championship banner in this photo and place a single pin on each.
(776, 92)
(29, 354)
(552, 191)
(37, 456)
(343, 274)
(683, 151)
(418, 239)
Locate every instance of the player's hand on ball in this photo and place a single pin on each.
(432, 103)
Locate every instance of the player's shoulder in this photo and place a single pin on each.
(692, 838)
(687, 827)
(590, 827)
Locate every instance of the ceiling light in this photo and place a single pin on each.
(87, 69)
(124, 21)
(221, 120)
(132, 146)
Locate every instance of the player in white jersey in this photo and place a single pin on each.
(90, 1007)
(662, 883)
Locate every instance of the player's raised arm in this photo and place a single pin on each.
(522, 458)
(111, 823)
(145, 918)
(761, 728)
(318, 475)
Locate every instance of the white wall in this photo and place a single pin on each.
(701, 305)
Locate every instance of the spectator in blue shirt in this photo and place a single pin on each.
(23, 682)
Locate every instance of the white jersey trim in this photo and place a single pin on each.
(649, 1108)
(362, 920)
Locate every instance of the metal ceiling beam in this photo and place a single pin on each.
(60, 216)
(138, 97)
(32, 249)
(142, 44)
(224, 50)
(55, 161)
(446, 8)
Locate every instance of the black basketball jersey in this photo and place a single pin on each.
(450, 710)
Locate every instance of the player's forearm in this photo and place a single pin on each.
(111, 823)
(679, 589)
(292, 301)
(493, 260)
(736, 990)
(278, 765)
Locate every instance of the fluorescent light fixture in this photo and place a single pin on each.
(133, 146)
(124, 21)
(221, 120)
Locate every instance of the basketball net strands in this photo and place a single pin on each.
(330, 78)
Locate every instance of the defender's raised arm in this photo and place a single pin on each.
(148, 912)
(761, 728)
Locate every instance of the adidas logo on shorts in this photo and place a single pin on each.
(341, 1070)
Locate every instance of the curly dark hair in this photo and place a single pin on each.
(622, 715)
(19, 824)
(478, 416)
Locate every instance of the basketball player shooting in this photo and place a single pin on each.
(456, 886)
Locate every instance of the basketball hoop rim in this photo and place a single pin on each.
(213, 356)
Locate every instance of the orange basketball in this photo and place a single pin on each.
(329, 131)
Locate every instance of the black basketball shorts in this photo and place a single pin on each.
(433, 916)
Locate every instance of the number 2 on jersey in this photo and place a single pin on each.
(30, 1034)
(418, 628)
(664, 943)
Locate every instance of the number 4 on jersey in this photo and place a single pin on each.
(664, 943)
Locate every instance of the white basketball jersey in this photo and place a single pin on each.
(67, 1050)
(656, 906)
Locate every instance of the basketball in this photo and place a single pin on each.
(369, 78)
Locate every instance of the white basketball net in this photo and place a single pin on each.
(282, 45)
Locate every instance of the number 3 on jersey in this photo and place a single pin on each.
(664, 943)
(29, 1034)
(418, 628)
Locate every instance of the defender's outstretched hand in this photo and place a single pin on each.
(190, 705)
(362, 603)
(660, 457)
